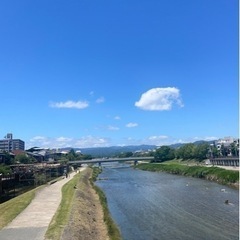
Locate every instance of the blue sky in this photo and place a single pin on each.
(87, 73)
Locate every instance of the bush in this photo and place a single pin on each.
(5, 169)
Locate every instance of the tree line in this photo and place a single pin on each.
(197, 152)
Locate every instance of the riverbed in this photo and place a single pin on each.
(151, 206)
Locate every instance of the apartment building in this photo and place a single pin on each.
(9, 144)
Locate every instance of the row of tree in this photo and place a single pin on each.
(197, 152)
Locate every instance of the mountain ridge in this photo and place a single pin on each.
(114, 150)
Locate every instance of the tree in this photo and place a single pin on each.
(23, 158)
(84, 157)
(8, 159)
(5, 169)
(125, 154)
(186, 151)
(72, 155)
(224, 151)
(234, 149)
(164, 153)
(201, 151)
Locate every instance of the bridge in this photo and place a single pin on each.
(105, 160)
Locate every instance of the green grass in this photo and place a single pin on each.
(113, 230)
(219, 175)
(10, 209)
(62, 215)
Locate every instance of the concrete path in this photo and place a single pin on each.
(33, 222)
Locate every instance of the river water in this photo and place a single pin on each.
(158, 206)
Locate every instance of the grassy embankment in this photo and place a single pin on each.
(113, 230)
(10, 209)
(62, 215)
(222, 176)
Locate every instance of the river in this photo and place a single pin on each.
(158, 206)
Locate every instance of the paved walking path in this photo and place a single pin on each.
(32, 223)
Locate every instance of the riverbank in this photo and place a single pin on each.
(113, 231)
(221, 176)
(88, 217)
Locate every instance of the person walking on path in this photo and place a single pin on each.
(32, 223)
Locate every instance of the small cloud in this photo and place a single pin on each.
(161, 137)
(63, 139)
(117, 118)
(159, 140)
(131, 125)
(100, 100)
(159, 99)
(70, 104)
(91, 141)
(112, 128)
(91, 93)
(39, 141)
(37, 138)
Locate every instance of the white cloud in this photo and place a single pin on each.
(63, 139)
(37, 138)
(61, 142)
(70, 104)
(131, 125)
(39, 141)
(90, 141)
(98, 141)
(100, 100)
(117, 118)
(112, 128)
(159, 99)
(162, 137)
(158, 140)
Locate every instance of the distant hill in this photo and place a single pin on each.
(111, 151)
(116, 150)
(177, 145)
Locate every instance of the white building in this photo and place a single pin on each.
(226, 142)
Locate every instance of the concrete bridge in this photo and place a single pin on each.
(104, 160)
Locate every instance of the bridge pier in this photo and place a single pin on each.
(135, 162)
(99, 164)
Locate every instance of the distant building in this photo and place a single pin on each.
(226, 143)
(9, 144)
